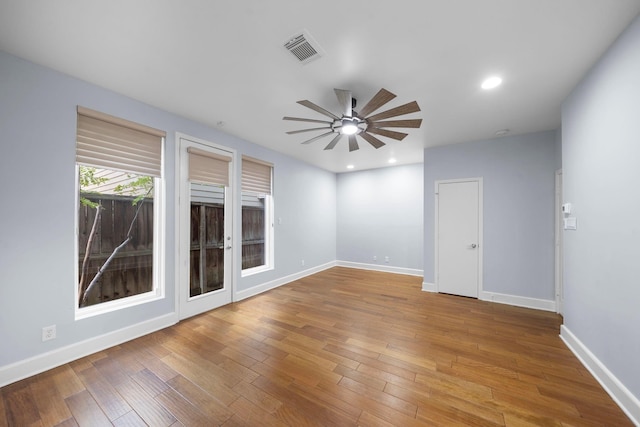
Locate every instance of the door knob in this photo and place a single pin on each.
(473, 246)
(228, 246)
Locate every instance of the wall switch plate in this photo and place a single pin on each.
(570, 223)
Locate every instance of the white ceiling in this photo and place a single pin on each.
(223, 62)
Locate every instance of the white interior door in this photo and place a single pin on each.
(205, 226)
(458, 237)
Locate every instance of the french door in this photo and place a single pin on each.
(205, 225)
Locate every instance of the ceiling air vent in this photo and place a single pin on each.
(303, 47)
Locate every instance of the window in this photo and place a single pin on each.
(119, 243)
(257, 216)
(208, 175)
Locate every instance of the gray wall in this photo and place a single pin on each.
(380, 214)
(519, 185)
(601, 171)
(37, 207)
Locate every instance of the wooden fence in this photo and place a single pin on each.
(131, 270)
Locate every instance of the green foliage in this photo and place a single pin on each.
(140, 187)
(88, 178)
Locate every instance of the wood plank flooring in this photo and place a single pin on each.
(343, 347)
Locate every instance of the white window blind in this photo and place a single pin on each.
(208, 168)
(256, 176)
(110, 142)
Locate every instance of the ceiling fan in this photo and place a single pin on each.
(352, 123)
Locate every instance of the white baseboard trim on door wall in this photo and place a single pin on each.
(267, 286)
(629, 404)
(378, 267)
(535, 303)
(54, 358)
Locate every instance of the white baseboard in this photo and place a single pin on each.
(429, 287)
(264, 287)
(535, 303)
(383, 268)
(612, 385)
(43, 362)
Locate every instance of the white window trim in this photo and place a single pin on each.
(158, 291)
(269, 237)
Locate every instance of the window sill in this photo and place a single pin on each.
(255, 270)
(111, 306)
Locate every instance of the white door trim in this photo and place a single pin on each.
(181, 229)
(559, 243)
(480, 229)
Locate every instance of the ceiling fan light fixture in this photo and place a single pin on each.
(349, 126)
(359, 124)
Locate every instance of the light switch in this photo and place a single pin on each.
(570, 223)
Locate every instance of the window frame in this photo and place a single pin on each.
(158, 276)
(268, 241)
(159, 225)
(269, 233)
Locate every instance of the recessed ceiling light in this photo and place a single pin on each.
(392, 160)
(350, 166)
(491, 82)
(502, 132)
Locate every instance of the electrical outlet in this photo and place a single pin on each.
(375, 258)
(302, 263)
(386, 259)
(48, 333)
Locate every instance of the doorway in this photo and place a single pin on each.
(205, 187)
(458, 263)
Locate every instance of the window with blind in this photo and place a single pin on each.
(119, 171)
(257, 216)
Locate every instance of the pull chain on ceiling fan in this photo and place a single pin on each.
(352, 123)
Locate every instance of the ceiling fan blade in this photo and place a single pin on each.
(309, 141)
(345, 101)
(353, 144)
(298, 119)
(388, 133)
(293, 132)
(379, 99)
(414, 123)
(372, 140)
(319, 109)
(410, 107)
(333, 142)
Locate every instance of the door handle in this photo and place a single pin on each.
(473, 246)
(228, 246)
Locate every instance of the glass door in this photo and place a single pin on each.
(205, 226)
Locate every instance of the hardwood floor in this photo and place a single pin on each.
(341, 348)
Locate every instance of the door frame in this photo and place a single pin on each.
(436, 239)
(559, 244)
(181, 260)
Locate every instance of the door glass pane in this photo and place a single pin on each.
(207, 239)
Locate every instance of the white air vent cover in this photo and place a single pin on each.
(304, 47)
